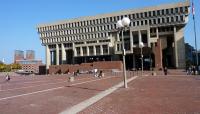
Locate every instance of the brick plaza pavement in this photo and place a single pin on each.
(146, 94)
(152, 95)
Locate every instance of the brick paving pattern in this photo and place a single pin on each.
(152, 95)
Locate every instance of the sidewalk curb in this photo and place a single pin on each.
(83, 105)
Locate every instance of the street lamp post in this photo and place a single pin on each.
(121, 24)
(141, 45)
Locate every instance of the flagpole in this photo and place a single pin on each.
(195, 36)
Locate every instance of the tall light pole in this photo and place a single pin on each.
(195, 36)
(121, 25)
(141, 45)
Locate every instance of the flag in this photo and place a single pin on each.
(193, 12)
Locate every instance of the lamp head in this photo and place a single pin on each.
(141, 44)
(126, 21)
(119, 24)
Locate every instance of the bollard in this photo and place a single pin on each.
(71, 79)
(154, 73)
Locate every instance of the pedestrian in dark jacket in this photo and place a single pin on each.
(165, 70)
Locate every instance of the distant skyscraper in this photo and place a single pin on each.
(30, 55)
(19, 55)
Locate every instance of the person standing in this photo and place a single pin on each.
(165, 70)
(7, 77)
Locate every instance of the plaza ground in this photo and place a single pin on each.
(53, 94)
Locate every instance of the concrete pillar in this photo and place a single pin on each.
(81, 51)
(87, 51)
(140, 37)
(175, 48)
(94, 48)
(63, 54)
(131, 41)
(179, 47)
(48, 57)
(148, 37)
(158, 54)
(101, 49)
(157, 35)
(57, 54)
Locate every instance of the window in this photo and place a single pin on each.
(172, 19)
(163, 20)
(154, 21)
(141, 15)
(167, 19)
(176, 10)
(186, 9)
(133, 16)
(145, 14)
(91, 50)
(172, 11)
(146, 22)
(78, 52)
(158, 20)
(138, 23)
(158, 12)
(142, 23)
(154, 13)
(167, 11)
(163, 12)
(149, 13)
(84, 51)
(105, 49)
(150, 22)
(137, 15)
(177, 18)
(181, 9)
(98, 51)
(182, 19)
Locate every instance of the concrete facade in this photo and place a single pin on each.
(96, 38)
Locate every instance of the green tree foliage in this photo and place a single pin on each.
(8, 68)
(16, 66)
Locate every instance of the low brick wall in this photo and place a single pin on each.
(103, 65)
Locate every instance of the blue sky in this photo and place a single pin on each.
(19, 18)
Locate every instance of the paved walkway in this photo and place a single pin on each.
(152, 95)
(174, 94)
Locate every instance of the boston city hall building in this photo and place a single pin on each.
(97, 38)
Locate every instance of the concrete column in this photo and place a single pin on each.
(148, 37)
(75, 52)
(48, 57)
(131, 41)
(57, 54)
(179, 47)
(175, 48)
(157, 34)
(140, 37)
(118, 37)
(87, 50)
(158, 54)
(81, 51)
(63, 54)
(94, 48)
(101, 49)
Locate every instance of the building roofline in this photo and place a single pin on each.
(122, 12)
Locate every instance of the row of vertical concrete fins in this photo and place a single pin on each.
(102, 65)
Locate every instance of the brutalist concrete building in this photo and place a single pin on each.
(96, 38)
